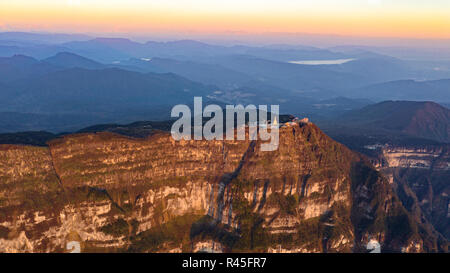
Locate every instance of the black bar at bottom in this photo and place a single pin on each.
(204, 262)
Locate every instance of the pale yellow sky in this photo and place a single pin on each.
(376, 18)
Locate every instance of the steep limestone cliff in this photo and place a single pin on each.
(114, 193)
(420, 176)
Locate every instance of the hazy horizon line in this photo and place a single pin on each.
(260, 38)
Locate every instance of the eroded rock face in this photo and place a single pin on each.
(435, 158)
(155, 194)
(421, 178)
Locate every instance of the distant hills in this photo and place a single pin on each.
(378, 68)
(263, 63)
(40, 38)
(67, 82)
(201, 72)
(419, 119)
(70, 60)
(295, 77)
(69, 91)
(438, 90)
(112, 48)
(34, 92)
(21, 67)
(394, 122)
(78, 89)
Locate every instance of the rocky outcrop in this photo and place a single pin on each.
(158, 195)
(434, 158)
(420, 177)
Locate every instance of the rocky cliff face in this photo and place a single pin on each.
(420, 176)
(114, 193)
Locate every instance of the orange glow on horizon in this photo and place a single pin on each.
(77, 17)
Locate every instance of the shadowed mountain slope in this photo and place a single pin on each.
(419, 119)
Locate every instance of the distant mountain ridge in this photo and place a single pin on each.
(20, 67)
(230, 74)
(39, 94)
(69, 92)
(80, 89)
(70, 60)
(420, 119)
(200, 72)
(436, 90)
(47, 38)
(189, 49)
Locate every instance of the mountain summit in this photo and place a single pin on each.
(71, 60)
(419, 119)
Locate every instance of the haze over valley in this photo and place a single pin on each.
(68, 85)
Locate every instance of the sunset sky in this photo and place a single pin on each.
(372, 18)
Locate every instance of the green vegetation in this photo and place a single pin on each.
(176, 181)
(254, 236)
(121, 227)
(308, 233)
(33, 192)
(208, 228)
(118, 228)
(314, 195)
(4, 231)
(397, 224)
(286, 203)
(174, 232)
